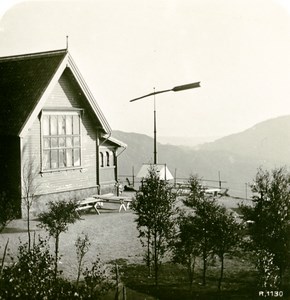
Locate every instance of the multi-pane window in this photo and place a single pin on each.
(106, 159)
(61, 141)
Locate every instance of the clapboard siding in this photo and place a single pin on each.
(64, 180)
(63, 95)
(50, 84)
(107, 175)
(31, 146)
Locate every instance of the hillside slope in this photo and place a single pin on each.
(236, 157)
(268, 140)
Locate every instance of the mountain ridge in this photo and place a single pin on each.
(263, 140)
(235, 158)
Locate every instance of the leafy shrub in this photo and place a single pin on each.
(269, 272)
(31, 276)
(96, 280)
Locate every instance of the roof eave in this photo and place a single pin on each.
(115, 141)
(66, 62)
(95, 107)
(40, 103)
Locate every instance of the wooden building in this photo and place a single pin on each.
(54, 137)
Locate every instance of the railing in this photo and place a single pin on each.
(133, 181)
(235, 189)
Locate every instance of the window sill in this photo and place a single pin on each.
(108, 167)
(61, 170)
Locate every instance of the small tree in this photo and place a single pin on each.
(82, 247)
(56, 221)
(185, 246)
(154, 208)
(270, 216)
(227, 235)
(205, 220)
(29, 191)
(196, 192)
(205, 210)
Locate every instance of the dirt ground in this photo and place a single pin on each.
(112, 235)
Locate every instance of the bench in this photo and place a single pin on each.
(97, 201)
(89, 203)
(212, 191)
(110, 198)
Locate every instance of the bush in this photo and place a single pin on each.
(269, 231)
(96, 280)
(31, 276)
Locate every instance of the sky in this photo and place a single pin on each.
(238, 50)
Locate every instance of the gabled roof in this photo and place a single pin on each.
(25, 83)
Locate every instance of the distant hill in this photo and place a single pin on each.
(236, 157)
(268, 141)
(191, 141)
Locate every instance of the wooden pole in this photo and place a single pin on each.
(155, 133)
(175, 172)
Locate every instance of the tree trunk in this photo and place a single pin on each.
(155, 259)
(56, 254)
(190, 270)
(79, 271)
(124, 293)
(28, 224)
(222, 272)
(204, 268)
(148, 253)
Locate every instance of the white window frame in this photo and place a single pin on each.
(61, 147)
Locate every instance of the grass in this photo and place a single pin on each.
(240, 282)
(173, 283)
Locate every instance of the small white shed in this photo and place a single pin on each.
(162, 170)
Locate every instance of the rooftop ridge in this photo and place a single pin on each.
(33, 55)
